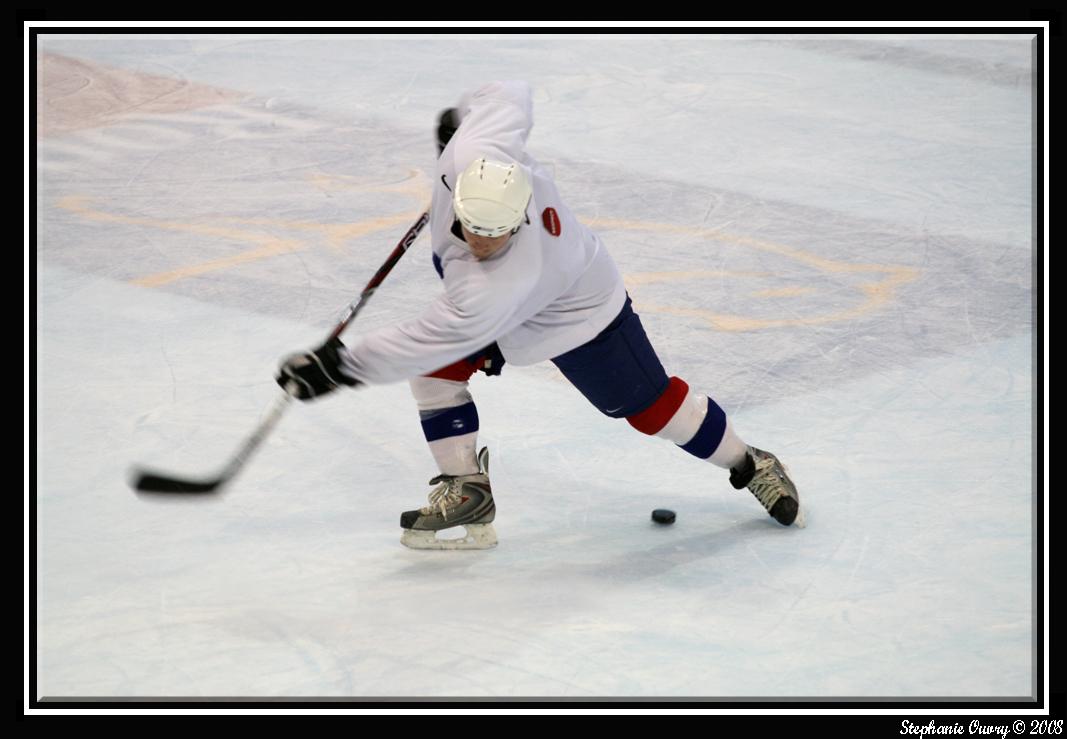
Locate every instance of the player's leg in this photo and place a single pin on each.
(463, 495)
(620, 373)
(697, 424)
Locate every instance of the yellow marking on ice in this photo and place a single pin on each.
(270, 249)
(649, 278)
(876, 294)
(266, 244)
(413, 184)
(334, 233)
(784, 292)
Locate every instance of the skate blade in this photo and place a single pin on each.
(478, 536)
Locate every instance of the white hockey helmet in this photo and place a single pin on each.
(491, 197)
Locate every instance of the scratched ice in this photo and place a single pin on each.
(830, 235)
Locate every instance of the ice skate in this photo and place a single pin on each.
(464, 500)
(767, 479)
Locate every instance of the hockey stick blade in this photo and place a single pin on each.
(149, 482)
(144, 481)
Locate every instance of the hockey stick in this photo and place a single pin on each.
(145, 481)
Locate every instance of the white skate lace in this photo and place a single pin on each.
(766, 485)
(444, 496)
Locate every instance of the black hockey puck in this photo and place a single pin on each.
(662, 515)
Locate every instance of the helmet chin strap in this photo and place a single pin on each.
(458, 227)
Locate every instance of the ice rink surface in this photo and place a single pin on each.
(830, 235)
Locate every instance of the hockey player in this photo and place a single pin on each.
(524, 282)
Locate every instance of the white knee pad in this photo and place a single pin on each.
(433, 393)
(686, 421)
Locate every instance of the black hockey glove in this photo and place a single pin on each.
(447, 123)
(311, 374)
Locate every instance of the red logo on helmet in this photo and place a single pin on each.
(551, 220)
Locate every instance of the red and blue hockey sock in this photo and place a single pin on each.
(694, 422)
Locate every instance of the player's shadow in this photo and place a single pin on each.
(576, 557)
(652, 562)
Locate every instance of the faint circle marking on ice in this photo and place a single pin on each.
(872, 295)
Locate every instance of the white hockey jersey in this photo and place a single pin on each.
(552, 288)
